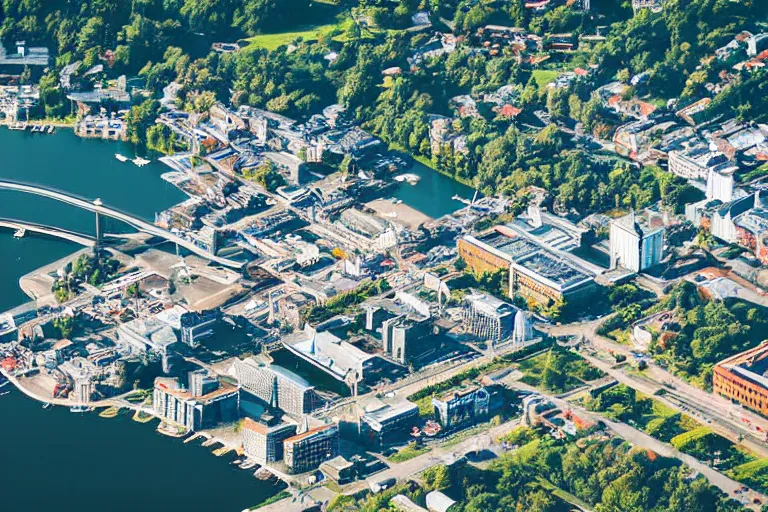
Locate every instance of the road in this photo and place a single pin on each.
(725, 418)
(137, 223)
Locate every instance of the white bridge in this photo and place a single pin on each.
(99, 209)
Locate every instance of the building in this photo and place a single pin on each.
(173, 402)
(264, 443)
(145, 334)
(720, 183)
(305, 452)
(338, 469)
(101, 127)
(198, 326)
(743, 378)
(654, 5)
(277, 387)
(540, 274)
(633, 246)
(696, 163)
(752, 231)
(399, 336)
(340, 359)
(487, 317)
(721, 223)
(463, 408)
(382, 424)
(439, 502)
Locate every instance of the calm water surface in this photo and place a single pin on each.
(53, 459)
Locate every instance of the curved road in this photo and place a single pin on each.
(139, 224)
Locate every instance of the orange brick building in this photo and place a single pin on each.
(741, 378)
(534, 272)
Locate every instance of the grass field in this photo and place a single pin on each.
(543, 77)
(575, 371)
(273, 41)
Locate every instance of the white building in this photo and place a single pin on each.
(633, 247)
(720, 183)
(696, 163)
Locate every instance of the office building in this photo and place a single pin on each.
(535, 272)
(634, 247)
(462, 408)
(264, 443)
(201, 383)
(305, 452)
(742, 378)
(382, 424)
(198, 326)
(487, 317)
(401, 334)
(181, 407)
(277, 387)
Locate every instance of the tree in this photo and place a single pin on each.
(65, 325)
(437, 478)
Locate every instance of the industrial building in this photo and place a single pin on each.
(218, 402)
(463, 408)
(540, 274)
(305, 452)
(633, 246)
(263, 442)
(743, 378)
(276, 386)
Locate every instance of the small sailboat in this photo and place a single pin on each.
(20, 233)
(121, 157)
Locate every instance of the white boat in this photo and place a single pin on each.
(412, 179)
(20, 233)
(78, 408)
(51, 128)
(121, 157)
(141, 162)
(46, 405)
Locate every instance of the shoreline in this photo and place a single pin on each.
(42, 122)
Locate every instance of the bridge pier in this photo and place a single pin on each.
(98, 231)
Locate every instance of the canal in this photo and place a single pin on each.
(55, 460)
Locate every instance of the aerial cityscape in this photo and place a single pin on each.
(384, 255)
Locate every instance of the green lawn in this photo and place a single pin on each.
(409, 452)
(567, 370)
(273, 41)
(544, 76)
